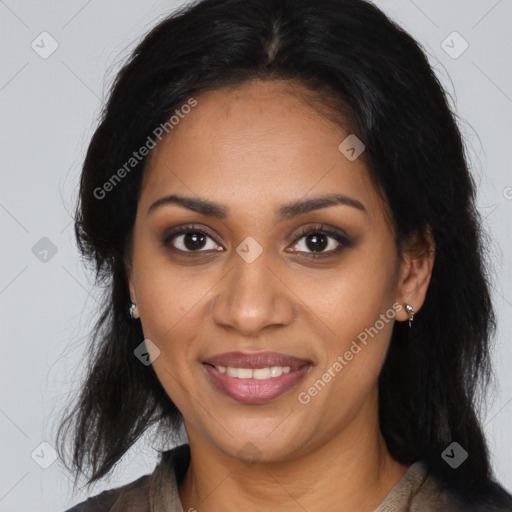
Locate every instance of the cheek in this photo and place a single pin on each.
(349, 371)
(169, 297)
(352, 297)
(178, 386)
(354, 306)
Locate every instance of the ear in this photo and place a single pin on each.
(418, 254)
(130, 280)
(131, 286)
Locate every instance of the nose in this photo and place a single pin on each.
(253, 297)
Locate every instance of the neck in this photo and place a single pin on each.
(351, 471)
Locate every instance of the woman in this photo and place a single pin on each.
(279, 200)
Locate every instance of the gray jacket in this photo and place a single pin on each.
(416, 491)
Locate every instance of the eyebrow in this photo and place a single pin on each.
(288, 211)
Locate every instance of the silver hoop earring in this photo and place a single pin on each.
(410, 311)
(134, 310)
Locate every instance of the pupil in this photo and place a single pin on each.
(194, 240)
(316, 243)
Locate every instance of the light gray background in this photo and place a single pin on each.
(48, 109)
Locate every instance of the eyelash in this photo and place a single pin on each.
(342, 240)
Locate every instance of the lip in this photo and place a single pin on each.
(256, 360)
(255, 391)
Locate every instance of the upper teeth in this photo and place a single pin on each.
(256, 373)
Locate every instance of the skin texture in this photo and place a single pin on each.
(253, 148)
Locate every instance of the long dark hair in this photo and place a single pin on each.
(370, 75)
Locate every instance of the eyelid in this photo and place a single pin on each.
(339, 235)
(324, 229)
(182, 230)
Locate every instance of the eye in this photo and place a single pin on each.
(190, 239)
(318, 241)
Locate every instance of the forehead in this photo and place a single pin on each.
(255, 144)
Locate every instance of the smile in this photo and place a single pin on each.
(255, 378)
(256, 373)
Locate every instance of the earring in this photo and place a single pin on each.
(134, 310)
(410, 311)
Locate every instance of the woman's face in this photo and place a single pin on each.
(250, 291)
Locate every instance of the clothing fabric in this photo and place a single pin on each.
(416, 491)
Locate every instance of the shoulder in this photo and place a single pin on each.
(133, 496)
(439, 499)
(138, 495)
(419, 491)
